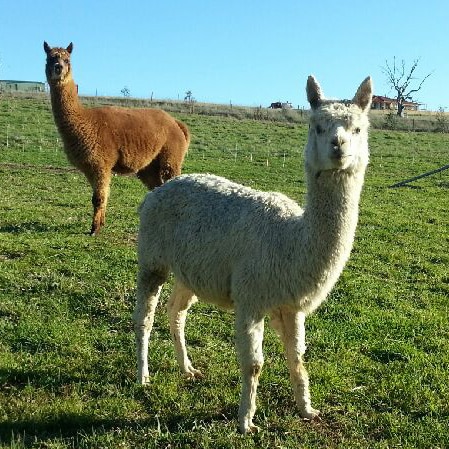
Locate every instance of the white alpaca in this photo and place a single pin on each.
(255, 252)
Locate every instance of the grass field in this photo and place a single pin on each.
(378, 349)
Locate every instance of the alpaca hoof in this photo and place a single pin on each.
(95, 229)
(311, 414)
(251, 429)
(192, 374)
(144, 380)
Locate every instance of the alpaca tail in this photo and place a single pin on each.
(184, 130)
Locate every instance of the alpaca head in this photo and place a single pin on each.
(58, 68)
(338, 130)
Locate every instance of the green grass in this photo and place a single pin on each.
(378, 349)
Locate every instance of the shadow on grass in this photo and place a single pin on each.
(78, 427)
(386, 356)
(38, 227)
(44, 379)
(65, 426)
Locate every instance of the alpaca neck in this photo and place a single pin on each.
(66, 106)
(330, 217)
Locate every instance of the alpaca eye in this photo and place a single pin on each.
(356, 130)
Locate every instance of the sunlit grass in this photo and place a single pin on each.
(377, 349)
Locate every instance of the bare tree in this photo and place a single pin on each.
(126, 92)
(189, 97)
(401, 79)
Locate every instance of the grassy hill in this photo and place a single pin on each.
(378, 349)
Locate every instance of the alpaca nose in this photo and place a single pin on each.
(338, 144)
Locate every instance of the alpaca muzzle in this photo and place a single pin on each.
(57, 69)
(339, 147)
(337, 151)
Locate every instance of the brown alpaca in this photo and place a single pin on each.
(106, 140)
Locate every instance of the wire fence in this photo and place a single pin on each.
(26, 120)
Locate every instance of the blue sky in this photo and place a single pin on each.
(240, 51)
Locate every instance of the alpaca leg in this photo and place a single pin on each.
(290, 327)
(150, 175)
(100, 186)
(249, 336)
(179, 303)
(149, 285)
(170, 162)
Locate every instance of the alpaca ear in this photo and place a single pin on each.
(314, 93)
(46, 47)
(364, 94)
(70, 48)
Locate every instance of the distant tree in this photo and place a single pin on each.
(442, 122)
(189, 97)
(126, 92)
(401, 79)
